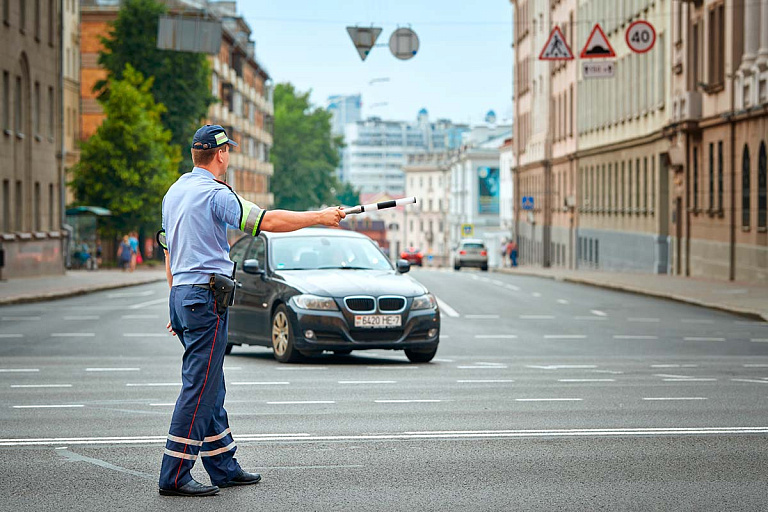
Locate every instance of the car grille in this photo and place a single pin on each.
(360, 304)
(376, 335)
(391, 303)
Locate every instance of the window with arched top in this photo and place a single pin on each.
(761, 185)
(745, 186)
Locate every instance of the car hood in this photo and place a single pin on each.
(342, 283)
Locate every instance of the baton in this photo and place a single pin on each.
(380, 206)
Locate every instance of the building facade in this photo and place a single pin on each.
(344, 110)
(507, 196)
(31, 200)
(238, 80)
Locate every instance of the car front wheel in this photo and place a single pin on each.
(420, 356)
(282, 337)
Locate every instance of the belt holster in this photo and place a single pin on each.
(223, 291)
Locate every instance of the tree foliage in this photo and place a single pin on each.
(182, 79)
(128, 164)
(305, 154)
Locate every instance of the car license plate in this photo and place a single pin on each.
(377, 320)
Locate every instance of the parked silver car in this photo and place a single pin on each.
(470, 253)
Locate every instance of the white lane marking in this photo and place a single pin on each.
(698, 338)
(495, 336)
(121, 295)
(742, 322)
(650, 320)
(448, 310)
(411, 435)
(141, 317)
(393, 367)
(477, 381)
(497, 282)
(751, 380)
(73, 334)
(148, 303)
(303, 368)
(145, 335)
(669, 376)
(536, 317)
(41, 385)
(562, 301)
(536, 294)
(84, 317)
(151, 384)
(18, 370)
(563, 366)
(163, 405)
(586, 380)
(755, 365)
(674, 366)
(408, 401)
(565, 336)
(482, 317)
(696, 321)
(15, 318)
(548, 399)
(233, 368)
(597, 312)
(443, 337)
(477, 367)
(112, 369)
(759, 340)
(673, 398)
(367, 382)
(443, 360)
(690, 379)
(594, 318)
(262, 383)
(4, 335)
(512, 287)
(303, 402)
(46, 406)
(634, 337)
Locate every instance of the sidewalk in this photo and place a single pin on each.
(74, 282)
(736, 297)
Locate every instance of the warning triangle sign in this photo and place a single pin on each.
(364, 38)
(597, 46)
(556, 47)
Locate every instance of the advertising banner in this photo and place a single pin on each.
(488, 190)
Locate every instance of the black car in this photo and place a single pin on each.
(321, 289)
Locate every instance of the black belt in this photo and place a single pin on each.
(203, 286)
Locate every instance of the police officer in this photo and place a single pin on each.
(196, 212)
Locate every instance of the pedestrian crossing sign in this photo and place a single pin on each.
(556, 47)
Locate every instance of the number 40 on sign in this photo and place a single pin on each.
(640, 36)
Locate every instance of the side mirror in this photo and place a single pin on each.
(403, 266)
(252, 267)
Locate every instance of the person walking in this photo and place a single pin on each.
(124, 254)
(196, 212)
(133, 239)
(512, 251)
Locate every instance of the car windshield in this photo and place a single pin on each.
(320, 252)
(473, 246)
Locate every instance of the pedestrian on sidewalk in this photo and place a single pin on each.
(196, 212)
(124, 254)
(134, 241)
(512, 252)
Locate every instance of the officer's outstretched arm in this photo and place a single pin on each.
(285, 220)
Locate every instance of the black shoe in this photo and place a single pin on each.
(191, 488)
(243, 479)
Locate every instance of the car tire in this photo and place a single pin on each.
(228, 350)
(457, 267)
(283, 346)
(484, 268)
(420, 356)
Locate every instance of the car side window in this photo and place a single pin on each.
(258, 252)
(237, 253)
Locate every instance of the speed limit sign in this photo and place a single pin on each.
(640, 36)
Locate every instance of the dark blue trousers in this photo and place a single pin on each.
(199, 427)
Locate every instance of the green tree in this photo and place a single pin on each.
(347, 195)
(305, 154)
(128, 164)
(182, 79)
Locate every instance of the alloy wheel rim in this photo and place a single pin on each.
(280, 333)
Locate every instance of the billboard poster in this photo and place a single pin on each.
(488, 190)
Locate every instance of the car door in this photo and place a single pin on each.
(254, 291)
(237, 255)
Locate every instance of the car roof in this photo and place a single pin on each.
(320, 231)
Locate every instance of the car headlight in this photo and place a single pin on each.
(424, 302)
(307, 301)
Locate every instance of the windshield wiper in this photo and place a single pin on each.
(344, 268)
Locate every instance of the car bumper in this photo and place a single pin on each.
(332, 331)
(472, 262)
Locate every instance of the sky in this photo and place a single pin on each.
(462, 70)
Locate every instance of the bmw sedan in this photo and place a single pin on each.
(319, 289)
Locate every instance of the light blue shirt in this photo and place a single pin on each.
(196, 212)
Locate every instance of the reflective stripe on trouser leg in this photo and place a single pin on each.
(218, 449)
(201, 332)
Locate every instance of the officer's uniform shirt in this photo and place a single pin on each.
(196, 212)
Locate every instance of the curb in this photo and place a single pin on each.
(26, 299)
(753, 315)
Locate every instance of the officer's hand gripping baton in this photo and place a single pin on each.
(380, 206)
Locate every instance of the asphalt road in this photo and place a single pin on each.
(543, 396)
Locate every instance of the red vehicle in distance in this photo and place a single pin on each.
(413, 256)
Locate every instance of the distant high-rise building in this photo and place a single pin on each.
(345, 110)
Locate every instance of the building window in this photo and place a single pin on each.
(37, 19)
(36, 207)
(720, 176)
(19, 226)
(645, 184)
(716, 54)
(51, 24)
(637, 185)
(711, 190)
(17, 121)
(36, 108)
(6, 202)
(51, 112)
(622, 198)
(6, 11)
(51, 203)
(629, 186)
(653, 183)
(610, 187)
(22, 14)
(745, 188)
(761, 192)
(695, 179)
(6, 97)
